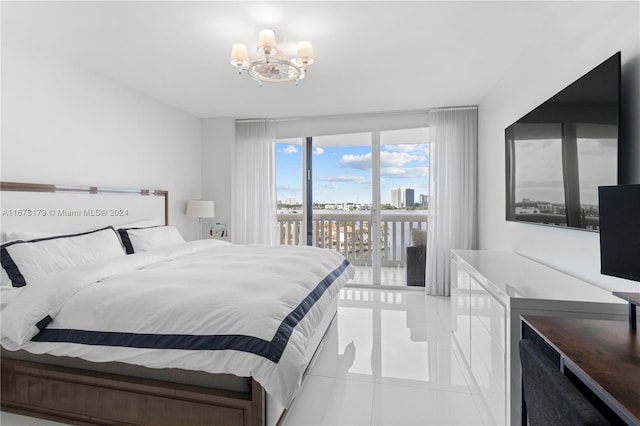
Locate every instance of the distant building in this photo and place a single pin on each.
(396, 197)
(409, 197)
(424, 200)
(290, 201)
(527, 210)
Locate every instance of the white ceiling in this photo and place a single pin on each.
(370, 56)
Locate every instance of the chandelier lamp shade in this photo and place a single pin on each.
(271, 65)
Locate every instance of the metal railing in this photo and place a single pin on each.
(348, 233)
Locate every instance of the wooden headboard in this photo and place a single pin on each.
(65, 208)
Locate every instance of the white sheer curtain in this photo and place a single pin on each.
(453, 136)
(253, 198)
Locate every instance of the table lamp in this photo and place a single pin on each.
(200, 209)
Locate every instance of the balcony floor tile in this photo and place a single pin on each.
(396, 276)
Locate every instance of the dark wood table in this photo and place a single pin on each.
(601, 357)
(634, 301)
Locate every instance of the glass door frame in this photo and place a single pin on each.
(307, 189)
(374, 232)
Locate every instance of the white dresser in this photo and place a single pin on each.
(489, 292)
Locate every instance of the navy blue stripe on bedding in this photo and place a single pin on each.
(44, 322)
(126, 241)
(13, 272)
(271, 350)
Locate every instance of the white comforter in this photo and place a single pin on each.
(205, 305)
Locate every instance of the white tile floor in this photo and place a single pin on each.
(389, 360)
(10, 419)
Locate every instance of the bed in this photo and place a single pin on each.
(202, 332)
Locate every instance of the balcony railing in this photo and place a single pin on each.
(348, 233)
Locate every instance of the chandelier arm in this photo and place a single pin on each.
(274, 71)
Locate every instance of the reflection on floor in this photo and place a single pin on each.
(388, 360)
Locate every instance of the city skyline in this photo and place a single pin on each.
(406, 198)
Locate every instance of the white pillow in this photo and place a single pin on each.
(145, 223)
(137, 240)
(28, 235)
(4, 279)
(31, 235)
(25, 261)
(21, 235)
(7, 294)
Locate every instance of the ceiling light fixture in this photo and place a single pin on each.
(271, 65)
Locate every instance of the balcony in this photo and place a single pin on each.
(348, 233)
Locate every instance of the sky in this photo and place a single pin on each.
(343, 174)
(539, 169)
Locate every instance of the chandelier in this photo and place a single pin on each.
(271, 65)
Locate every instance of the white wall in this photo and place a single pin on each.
(354, 123)
(564, 51)
(64, 125)
(218, 147)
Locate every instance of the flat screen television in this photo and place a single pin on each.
(620, 231)
(561, 152)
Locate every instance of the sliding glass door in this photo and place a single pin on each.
(362, 194)
(342, 199)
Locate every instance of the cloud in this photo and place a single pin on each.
(354, 179)
(600, 148)
(318, 151)
(360, 162)
(290, 149)
(538, 144)
(387, 160)
(540, 184)
(406, 172)
(398, 159)
(329, 186)
(418, 148)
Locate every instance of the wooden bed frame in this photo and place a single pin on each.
(82, 397)
(94, 190)
(85, 397)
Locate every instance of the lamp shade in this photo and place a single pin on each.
(305, 53)
(239, 55)
(200, 208)
(267, 42)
